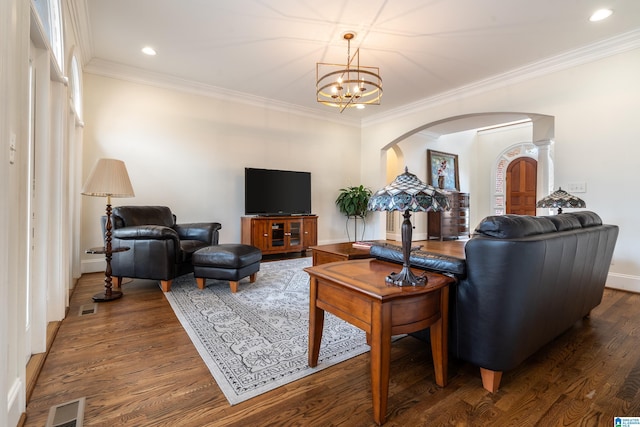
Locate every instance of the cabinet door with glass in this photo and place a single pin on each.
(293, 234)
(277, 237)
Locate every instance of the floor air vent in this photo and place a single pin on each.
(69, 414)
(88, 309)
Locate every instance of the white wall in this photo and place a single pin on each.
(189, 152)
(596, 137)
(14, 33)
(490, 144)
(412, 153)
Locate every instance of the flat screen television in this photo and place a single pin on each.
(276, 192)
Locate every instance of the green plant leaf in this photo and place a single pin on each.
(352, 201)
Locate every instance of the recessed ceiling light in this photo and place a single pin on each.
(148, 51)
(600, 14)
(360, 107)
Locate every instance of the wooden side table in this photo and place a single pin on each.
(356, 292)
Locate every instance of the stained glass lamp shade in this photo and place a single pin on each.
(407, 193)
(561, 199)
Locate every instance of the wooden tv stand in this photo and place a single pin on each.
(280, 234)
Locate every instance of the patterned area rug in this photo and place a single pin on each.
(256, 340)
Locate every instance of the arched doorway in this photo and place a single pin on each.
(487, 197)
(521, 186)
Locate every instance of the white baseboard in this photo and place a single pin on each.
(15, 401)
(92, 265)
(623, 282)
(396, 237)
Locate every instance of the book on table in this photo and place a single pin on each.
(362, 244)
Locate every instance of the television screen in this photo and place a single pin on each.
(276, 192)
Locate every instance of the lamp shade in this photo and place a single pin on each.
(561, 199)
(408, 192)
(108, 177)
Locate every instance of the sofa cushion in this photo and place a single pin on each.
(587, 218)
(565, 222)
(514, 226)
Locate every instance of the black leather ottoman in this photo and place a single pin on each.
(231, 262)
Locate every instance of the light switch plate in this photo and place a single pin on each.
(577, 187)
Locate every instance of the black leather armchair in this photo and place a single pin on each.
(159, 249)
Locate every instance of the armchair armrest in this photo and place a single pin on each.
(146, 232)
(202, 231)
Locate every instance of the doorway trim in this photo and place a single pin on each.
(499, 172)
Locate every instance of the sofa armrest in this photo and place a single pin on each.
(202, 231)
(421, 259)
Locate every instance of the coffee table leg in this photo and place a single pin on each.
(316, 323)
(380, 360)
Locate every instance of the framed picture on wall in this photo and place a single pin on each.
(442, 170)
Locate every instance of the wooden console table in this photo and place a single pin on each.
(356, 292)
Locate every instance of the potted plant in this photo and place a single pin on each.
(352, 202)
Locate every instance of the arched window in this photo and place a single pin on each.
(75, 86)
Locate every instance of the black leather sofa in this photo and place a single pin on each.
(524, 281)
(159, 248)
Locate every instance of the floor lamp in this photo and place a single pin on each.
(407, 193)
(108, 178)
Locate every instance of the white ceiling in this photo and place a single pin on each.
(266, 50)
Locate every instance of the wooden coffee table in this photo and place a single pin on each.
(337, 252)
(356, 292)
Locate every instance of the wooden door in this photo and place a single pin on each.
(521, 186)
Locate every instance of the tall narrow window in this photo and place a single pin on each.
(55, 32)
(74, 83)
(50, 16)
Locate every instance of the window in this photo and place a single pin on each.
(50, 16)
(74, 83)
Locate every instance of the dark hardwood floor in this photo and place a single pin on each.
(137, 367)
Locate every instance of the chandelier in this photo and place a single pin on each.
(347, 86)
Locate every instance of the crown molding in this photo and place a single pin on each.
(593, 52)
(137, 75)
(79, 18)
